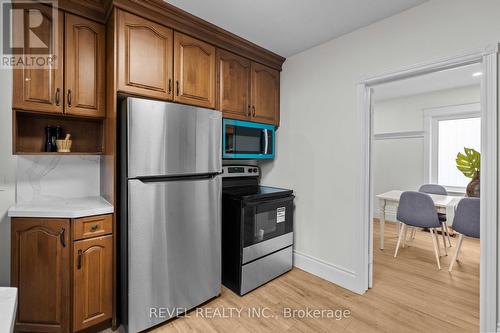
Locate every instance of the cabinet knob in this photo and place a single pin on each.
(93, 227)
(57, 96)
(62, 238)
(79, 261)
(69, 97)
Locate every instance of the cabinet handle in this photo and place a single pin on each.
(69, 97)
(169, 86)
(248, 111)
(57, 96)
(79, 261)
(93, 228)
(62, 238)
(177, 83)
(253, 108)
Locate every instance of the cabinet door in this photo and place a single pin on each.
(194, 71)
(233, 85)
(92, 281)
(265, 94)
(84, 70)
(40, 269)
(40, 89)
(144, 57)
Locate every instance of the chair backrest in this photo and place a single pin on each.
(467, 219)
(417, 209)
(433, 189)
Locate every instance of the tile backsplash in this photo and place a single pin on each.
(47, 178)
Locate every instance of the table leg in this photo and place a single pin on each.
(382, 223)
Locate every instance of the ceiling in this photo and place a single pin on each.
(287, 27)
(443, 80)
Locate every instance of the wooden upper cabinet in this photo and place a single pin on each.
(233, 85)
(34, 88)
(40, 268)
(265, 94)
(194, 71)
(144, 57)
(85, 74)
(92, 281)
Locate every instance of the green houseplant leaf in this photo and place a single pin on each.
(469, 163)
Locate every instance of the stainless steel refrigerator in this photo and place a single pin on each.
(170, 216)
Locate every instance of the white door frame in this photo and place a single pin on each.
(489, 165)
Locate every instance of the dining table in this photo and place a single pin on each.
(444, 204)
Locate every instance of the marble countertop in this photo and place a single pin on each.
(8, 305)
(65, 208)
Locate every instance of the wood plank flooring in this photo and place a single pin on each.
(409, 294)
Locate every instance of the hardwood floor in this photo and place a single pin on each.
(409, 294)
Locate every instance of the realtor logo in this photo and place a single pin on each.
(29, 34)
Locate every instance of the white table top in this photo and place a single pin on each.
(439, 200)
(69, 208)
(8, 305)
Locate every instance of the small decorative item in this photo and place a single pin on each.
(470, 165)
(64, 146)
(49, 142)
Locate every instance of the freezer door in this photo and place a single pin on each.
(172, 139)
(174, 246)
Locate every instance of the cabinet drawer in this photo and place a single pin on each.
(92, 226)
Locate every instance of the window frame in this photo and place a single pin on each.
(432, 116)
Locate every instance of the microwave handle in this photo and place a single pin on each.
(266, 141)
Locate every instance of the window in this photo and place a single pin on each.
(448, 130)
(453, 136)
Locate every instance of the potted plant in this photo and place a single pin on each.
(470, 165)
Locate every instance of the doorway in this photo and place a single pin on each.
(487, 62)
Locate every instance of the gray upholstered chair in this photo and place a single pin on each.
(416, 209)
(466, 222)
(440, 190)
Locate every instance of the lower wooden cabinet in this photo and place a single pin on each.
(92, 281)
(65, 285)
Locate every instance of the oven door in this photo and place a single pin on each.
(247, 140)
(267, 227)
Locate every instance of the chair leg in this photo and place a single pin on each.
(443, 228)
(401, 231)
(403, 241)
(448, 234)
(436, 247)
(457, 251)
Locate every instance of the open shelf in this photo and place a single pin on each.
(29, 133)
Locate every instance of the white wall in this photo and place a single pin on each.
(319, 140)
(398, 164)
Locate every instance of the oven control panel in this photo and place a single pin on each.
(240, 171)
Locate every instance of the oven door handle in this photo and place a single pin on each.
(267, 201)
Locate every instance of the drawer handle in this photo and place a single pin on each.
(79, 261)
(94, 227)
(62, 238)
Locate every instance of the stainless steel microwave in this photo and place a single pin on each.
(247, 140)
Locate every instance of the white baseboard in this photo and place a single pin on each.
(341, 276)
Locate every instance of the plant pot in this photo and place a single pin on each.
(474, 189)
